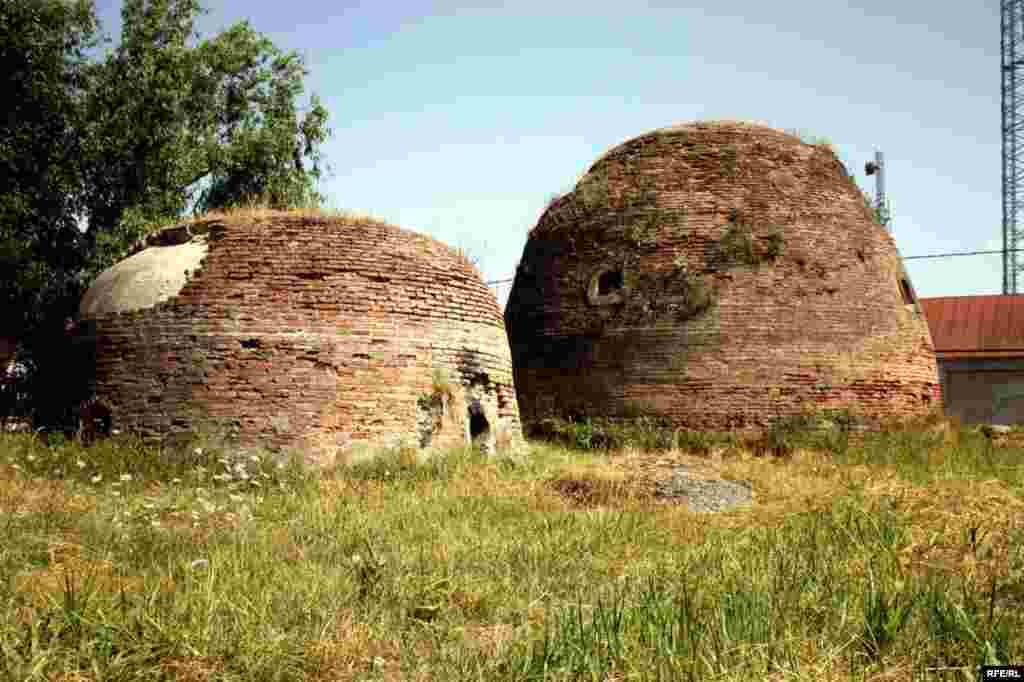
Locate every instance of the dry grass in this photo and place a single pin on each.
(254, 212)
(885, 559)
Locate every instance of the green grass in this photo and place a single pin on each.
(888, 558)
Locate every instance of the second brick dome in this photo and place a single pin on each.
(722, 275)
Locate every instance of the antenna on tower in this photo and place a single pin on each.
(1013, 139)
(877, 167)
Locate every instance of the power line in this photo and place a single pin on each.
(932, 255)
(962, 253)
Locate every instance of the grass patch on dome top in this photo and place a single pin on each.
(258, 208)
(252, 208)
(868, 558)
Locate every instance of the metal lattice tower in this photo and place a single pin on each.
(1013, 139)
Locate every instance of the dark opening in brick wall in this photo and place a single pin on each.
(906, 291)
(479, 428)
(609, 282)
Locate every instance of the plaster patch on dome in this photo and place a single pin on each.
(151, 276)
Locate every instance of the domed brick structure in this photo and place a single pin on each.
(327, 333)
(721, 275)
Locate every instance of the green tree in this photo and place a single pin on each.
(93, 155)
(163, 116)
(42, 62)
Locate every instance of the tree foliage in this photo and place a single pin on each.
(223, 110)
(94, 154)
(42, 47)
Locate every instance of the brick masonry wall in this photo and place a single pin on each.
(721, 275)
(315, 332)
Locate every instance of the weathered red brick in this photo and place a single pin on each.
(721, 275)
(315, 331)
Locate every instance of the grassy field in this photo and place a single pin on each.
(899, 557)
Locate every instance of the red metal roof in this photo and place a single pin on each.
(976, 326)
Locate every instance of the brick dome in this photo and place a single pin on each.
(327, 333)
(722, 275)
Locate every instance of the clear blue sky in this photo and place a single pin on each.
(461, 121)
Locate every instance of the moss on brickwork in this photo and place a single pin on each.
(740, 245)
(726, 271)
